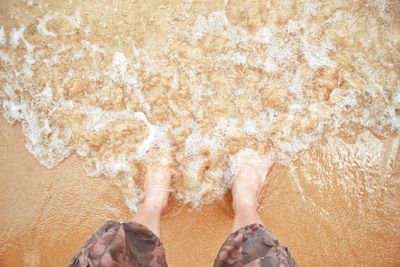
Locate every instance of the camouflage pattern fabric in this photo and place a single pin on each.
(253, 246)
(132, 245)
(121, 244)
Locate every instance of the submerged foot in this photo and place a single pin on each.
(251, 174)
(246, 188)
(157, 182)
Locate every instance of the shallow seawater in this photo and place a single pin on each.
(315, 85)
(111, 82)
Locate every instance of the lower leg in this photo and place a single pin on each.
(149, 216)
(245, 215)
(157, 182)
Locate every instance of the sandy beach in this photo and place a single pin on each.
(47, 214)
(91, 90)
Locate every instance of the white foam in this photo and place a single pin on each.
(239, 58)
(92, 47)
(75, 20)
(16, 36)
(296, 84)
(246, 155)
(344, 98)
(42, 24)
(119, 70)
(296, 108)
(196, 98)
(199, 29)
(317, 55)
(48, 145)
(193, 143)
(192, 172)
(5, 57)
(97, 119)
(117, 166)
(3, 39)
(285, 53)
(45, 96)
(9, 91)
(82, 150)
(263, 35)
(396, 95)
(382, 5)
(250, 127)
(146, 106)
(157, 138)
(293, 26)
(216, 21)
(336, 18)
(393, 117)
(269, 66)
(309, 8)
(94, 50)
(14, 111)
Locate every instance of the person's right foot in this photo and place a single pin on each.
(246, 187)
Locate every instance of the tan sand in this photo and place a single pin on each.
(47, 214)
(315, 82)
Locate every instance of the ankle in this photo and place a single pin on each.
(244, 206)
(153, 205)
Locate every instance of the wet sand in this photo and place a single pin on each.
(99, 84)
(47, 214)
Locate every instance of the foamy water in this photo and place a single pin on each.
(207, 82)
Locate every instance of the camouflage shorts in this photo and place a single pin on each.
(132, 244)
(253, 245)
(121, 244)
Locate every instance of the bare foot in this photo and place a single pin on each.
(156, 188)
(157, 182)
(246, 188)
(248, 171)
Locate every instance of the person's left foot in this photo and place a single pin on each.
(157, 182)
